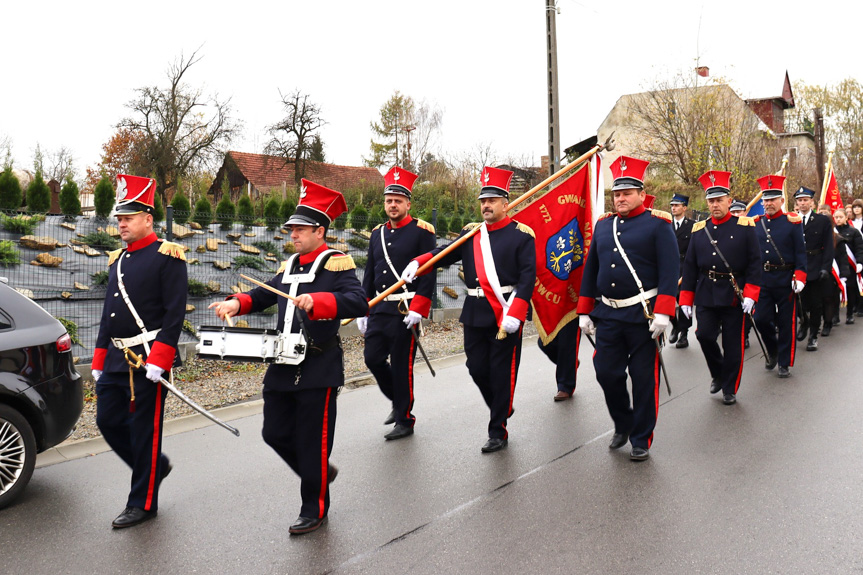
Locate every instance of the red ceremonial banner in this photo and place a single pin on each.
(561, 220)
(832, 198)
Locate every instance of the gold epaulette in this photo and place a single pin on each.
(340, 263)
(605, 215)
(425, 225)
(794, 218)
(470, 226)
(525, 228)
(113, 255)
(698, 226)
(283, 266)
(174, 250)
(745, 221)
(661, 214)
(376, 227)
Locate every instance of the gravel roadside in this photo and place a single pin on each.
(214, 384)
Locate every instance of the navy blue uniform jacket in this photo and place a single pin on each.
(411, 238)
(337, 294)
(787, 233)
(818, 235)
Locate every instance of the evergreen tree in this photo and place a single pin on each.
(182, 208)
(203, 213)
(442, 225)
(377, 217)
(359, 217)
(38, 195)
(226, 212)
(10, 190)
(288, 209)
(272, 213)
(158, 210)
(70, 203)
(455, 224)
(245, 211)
(103, 198)
(341, 222)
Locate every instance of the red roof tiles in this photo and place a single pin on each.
(272, 171)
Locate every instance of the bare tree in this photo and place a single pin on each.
(292, 137)
(6, 150)
(59, 164)
(183, 129)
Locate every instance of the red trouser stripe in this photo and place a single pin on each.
(157, 421)
(324, 456)
(742, 353)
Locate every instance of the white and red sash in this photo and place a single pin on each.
(487, 275)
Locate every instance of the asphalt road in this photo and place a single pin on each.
(770, 485)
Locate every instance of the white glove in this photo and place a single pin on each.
(586, 324)
(687, 311)
(410, 272)
(412, 318)
(859, 268)
(659, 324)
(154, 372)
(748, 304)
(363, 324)
(509, 324)
(97, 373)
(797, 286)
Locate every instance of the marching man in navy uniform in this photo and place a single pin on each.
(390, 329)
(818, 236)
(300, 397)
(628, 295)
(683, 232)
(500, 271)
(721, 277)
(780, 239)
(145, 304)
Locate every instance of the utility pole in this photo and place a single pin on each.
(819, 144)
(553, 114)
(406, 161)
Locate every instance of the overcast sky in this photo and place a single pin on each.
(69, 68)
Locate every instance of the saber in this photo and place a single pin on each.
(183, 397)
(422, 351)
(662, 366)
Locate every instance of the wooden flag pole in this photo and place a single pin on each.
(826, 179)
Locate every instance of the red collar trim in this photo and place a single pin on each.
(636, 211)
(727, 217)
(306, 259)
(142, 243)
(498, 225)
(774, 216)
(405, 221)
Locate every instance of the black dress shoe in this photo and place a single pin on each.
(391, 418)
(305, 525)
(836, 320)
(683, 342)
(825, 331)
(715, 386)
(332, 471)
(132, 516)
(639, 454)
(771, 363)
(618, 440)
(802, 330)
(812, 345)
(673, 337)
(859, 314)
(784, 371)
(493, 444)
(849, 320)
(399, 431)
(562, 396)
(729, 399)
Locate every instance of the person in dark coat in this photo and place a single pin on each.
(145, 304)
(629, 308)
(723, 293)
(500, 272)
(390, 344)
(783, 253)
(682, 225)
(818, 235)
(849, 258)
(300, 391)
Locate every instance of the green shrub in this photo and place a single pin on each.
(100, 278)
(70, 203)
(272, 213)
(361, 261)
(198, 289)
(23, 225)
(376, 218)
(182, 208)
(38, 195)
(341, 222)
(10, 190)
(288, 209)
(266, 246)
(226, 213)
(359, 217)
(102, 240)
(253, 262)
(158, 209)
(203, 213)
(9, 254)
(455, 224)
(245, 211)
(71, 328)
(358, 243)
(442, 225)
(103, 198)
(189, 328)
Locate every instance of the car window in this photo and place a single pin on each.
(5, 321)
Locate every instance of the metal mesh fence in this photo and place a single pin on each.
(68, 278)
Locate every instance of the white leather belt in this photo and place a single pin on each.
(636, 299)
(399, 296)
(477, 292)
(124, 342)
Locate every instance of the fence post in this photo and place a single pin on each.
(169, 223)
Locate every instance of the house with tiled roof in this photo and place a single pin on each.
(260, 174)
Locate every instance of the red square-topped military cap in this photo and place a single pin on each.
(495, 183)
(319, 206)
(134, 195)
(771, 186)
(399, 181)
(628, 173)
(716, 183)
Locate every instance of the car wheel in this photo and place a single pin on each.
(17, 454)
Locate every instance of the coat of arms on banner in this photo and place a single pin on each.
(565, 250)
